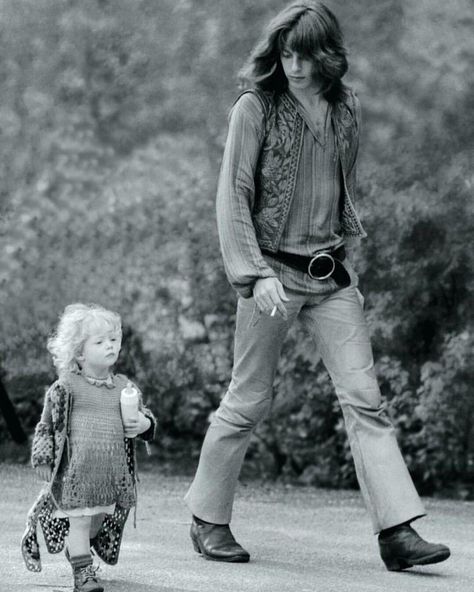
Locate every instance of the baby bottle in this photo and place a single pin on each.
(129, 403)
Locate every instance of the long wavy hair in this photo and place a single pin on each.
(310, 29)
(76, 324)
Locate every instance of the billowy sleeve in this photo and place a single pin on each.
(243, 260)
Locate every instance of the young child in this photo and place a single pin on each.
(84, 449)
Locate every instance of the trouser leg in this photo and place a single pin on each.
(258, 341)
(340, 330)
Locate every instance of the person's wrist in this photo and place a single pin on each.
(263, 279)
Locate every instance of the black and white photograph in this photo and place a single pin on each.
(236, 295)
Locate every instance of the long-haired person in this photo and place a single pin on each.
(287, 225)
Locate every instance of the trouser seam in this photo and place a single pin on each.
(373, 508)
(317, 334)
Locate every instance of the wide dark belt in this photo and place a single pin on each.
(320, 266)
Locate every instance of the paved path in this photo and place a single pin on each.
(300, 539)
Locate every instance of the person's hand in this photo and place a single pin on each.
(144, 422)
(133, 427)
(44, 472)
(268, 293)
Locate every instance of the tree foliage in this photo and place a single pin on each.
(113, 120)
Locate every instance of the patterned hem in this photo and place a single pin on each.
(78, 512)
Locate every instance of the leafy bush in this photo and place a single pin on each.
(113, 121)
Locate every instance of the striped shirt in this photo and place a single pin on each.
(313, 221)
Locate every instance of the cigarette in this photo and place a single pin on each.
(274, 309)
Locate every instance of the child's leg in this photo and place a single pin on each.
(78, 539)
(79, 555)
(96, 523)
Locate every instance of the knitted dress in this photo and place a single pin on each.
(93, 475)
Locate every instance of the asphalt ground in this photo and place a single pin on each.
(300, 539)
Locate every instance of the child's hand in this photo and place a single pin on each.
(144, 422)
(44, 472)
(133, 427)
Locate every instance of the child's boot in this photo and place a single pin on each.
(85, 579)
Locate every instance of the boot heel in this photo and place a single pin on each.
(196, 545)
(395, 564)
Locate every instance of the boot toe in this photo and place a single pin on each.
(436, 554)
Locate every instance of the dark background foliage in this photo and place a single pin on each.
(112, 121)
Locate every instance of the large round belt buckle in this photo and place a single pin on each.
(321, 266)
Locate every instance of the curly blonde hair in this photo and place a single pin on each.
(76, 324)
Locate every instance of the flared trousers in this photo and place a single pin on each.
(340, 333)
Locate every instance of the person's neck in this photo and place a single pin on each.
(99, 372)
(312, 97)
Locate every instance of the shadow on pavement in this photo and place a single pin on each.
(426, 574)
(117, 585)
(287, 566)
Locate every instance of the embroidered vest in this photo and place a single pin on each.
(275, 178)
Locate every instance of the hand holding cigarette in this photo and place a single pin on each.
(270, 297)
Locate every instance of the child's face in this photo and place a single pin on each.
(101, 349)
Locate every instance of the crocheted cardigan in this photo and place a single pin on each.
(49, 443)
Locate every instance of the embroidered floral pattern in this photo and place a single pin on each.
(278, 164)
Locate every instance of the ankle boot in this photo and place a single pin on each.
(84, 572)
(216, 542)
(402, 547)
